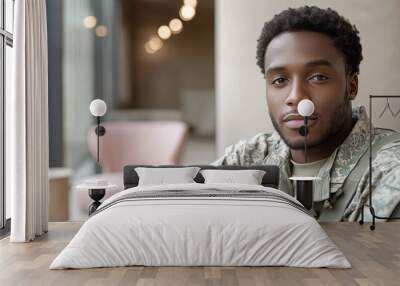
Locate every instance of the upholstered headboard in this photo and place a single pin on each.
(270, 179)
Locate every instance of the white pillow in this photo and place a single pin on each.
(249, 177)
(162, 176)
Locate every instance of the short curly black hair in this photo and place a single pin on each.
(327, 21)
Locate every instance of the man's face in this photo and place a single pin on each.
(306, 65)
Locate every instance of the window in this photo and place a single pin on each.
(6, 44)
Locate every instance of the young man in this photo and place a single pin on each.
(312, 53)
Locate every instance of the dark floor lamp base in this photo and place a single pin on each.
(305, 193)
(96, 195)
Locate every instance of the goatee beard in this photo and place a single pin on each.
(336, 127)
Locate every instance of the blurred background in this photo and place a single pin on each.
(100, 49)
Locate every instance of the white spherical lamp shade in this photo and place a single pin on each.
(98, 107)
(305, 107)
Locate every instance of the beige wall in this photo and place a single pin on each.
(240, 91)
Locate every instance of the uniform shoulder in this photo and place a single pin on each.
(389, 153)
(248, 151)
(258, 141)
(390, 138)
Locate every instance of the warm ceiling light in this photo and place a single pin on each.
(90, 22)
(164, 32)
(155, 43)
(175, 25)
(192, 3)
(148, 49)
(187, 13)
(101, 31)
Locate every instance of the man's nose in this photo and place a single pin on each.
(297, 93)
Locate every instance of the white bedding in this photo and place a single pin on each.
(182, 231)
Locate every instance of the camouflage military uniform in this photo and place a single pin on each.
(270, 149)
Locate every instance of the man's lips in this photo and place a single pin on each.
(295, 121)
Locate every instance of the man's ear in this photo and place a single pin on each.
(352, 87)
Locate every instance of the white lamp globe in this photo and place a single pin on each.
(305, 107)
(98, 107)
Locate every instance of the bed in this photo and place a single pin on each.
(201, 224)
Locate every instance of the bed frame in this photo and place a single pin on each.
(270, 179)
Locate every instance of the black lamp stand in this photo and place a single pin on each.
(100, 131)
(304, 188)
(97, 194)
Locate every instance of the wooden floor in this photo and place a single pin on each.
(375, 257)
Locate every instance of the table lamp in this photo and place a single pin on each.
(304, 185)
(97, 189)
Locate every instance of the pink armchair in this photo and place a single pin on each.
(138, 142)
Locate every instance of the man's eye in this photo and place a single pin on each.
(318, 77)
(279, 81)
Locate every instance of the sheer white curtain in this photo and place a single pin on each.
(27, 124)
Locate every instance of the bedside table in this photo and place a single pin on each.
(96, 191)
